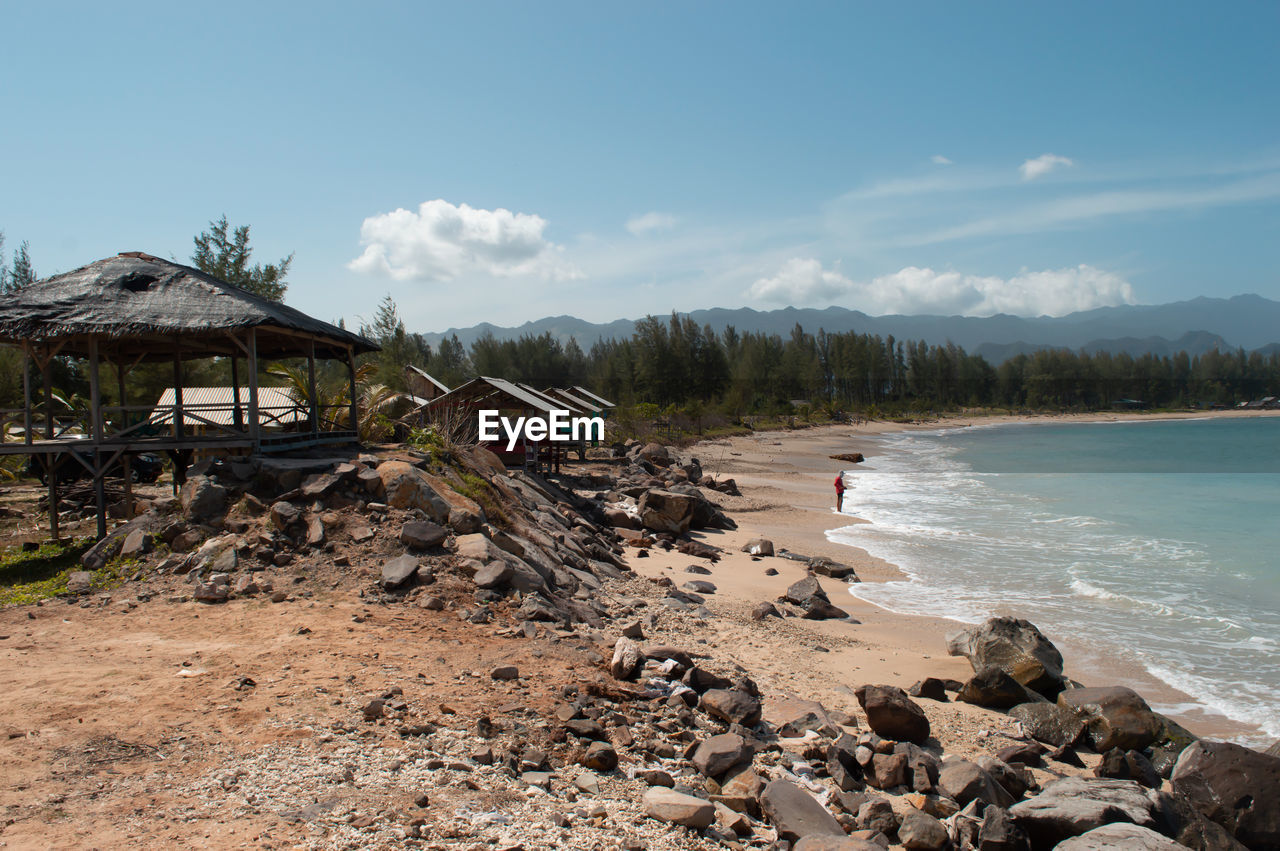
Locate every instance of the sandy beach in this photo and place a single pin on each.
(787, 496)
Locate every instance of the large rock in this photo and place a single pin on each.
(731, 706)
(795, 813)
(803, 590)
(202, 499)
(1049, 723)
(407, 487)
(835, 843)
(656, 454)
(1235, 787)
(676, 808)
(666, 511)
(717, 754)
(923, 831)
(758, 547)
(465, 514)
(1119, 837)
(422, 534)
(995, 689)
(1170, 742)
(398, 571)
(1075, 805)
(892, 714)
(1014, 646)
(966, 781)
(1114, 717)
(998, 832)
(627, 659)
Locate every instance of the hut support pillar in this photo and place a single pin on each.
(50, 469)
(313, 398)
(95, 415)
(47, 379)
(179, 425)
(237, 416)
(351, 377)
(123, 424)
(255, 427)
(26, 394)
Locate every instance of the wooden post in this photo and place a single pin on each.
(124, 415)
(179, 427)
(95, 417)
(51, 471)
(49, 427)
(237, 418)
(355, 405)
(26, 393)
(255, 426)
(313, 397)
(128, 486)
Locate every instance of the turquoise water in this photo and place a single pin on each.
(1154, 545)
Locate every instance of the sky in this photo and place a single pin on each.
(502, 162)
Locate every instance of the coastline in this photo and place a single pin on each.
(787, 497)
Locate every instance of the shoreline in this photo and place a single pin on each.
(787, 498)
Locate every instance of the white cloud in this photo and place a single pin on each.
(915, 290)
(650, 222)
(939, 159)
(441, 242)
(1042, 165)
(801, 281)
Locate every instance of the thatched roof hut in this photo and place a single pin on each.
(151, 301)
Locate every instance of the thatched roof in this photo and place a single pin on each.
(140, 303)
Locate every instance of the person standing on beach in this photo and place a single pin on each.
(840, 490)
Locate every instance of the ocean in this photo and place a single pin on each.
(1149, 552)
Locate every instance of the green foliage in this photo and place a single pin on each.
(478, 490)
(26, 577)
(225, 253)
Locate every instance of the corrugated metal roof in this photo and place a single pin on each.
(587, 394)
(581, 404)
(216, 404)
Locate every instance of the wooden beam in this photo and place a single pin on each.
(354, 424)
(26, 393)
(48, 402)
(255, 427)
(178, 425)
(237, 417)
(313, 397)
(95, 391)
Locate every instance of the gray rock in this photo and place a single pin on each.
(1235, 787)
(920, 830)
(795, 814)
(1075, 805)
(79, 581)
(495, 574)
(966, 781)
(699, 586)
(1119, 837)
(398, 571)
(673, 807)
(505, 672)
(422, 534)
(209, 592)
(877, 815)
(892, 714)
(836, 843)
(666, 511)
(716, 755)
(284, 515)
(931, 688)
(1049, 723)
(765, 610)
(136, 543)
(758, 547)
(202, 499)
(995, 689)
(803, 590)
(1014, 646)
(1128, 765)
(1114, 717)
(731, 706)
(627, 658)
(999, 832)
(600, 757)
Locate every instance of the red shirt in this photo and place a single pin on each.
(840, 484)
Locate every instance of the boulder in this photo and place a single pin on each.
(931, 688)
(79, 581)
(465, 514)
(211, 592)
(136, 543)
(1075, 805)
(666, 511)
(1170, 742)
(422, 534)
(495, 574)
(966, 781)
(731, 706)
(1128, 765)
(600, 756)
(1119, 837)
(803, 590)
(995, 689)
(740, 789)
(407, 487)
(1049, 723)
(758, 547)
(716, 755)
(921, 830)
(1014, 646)
(285, 515)
(795, 814)
(999, 832)
(1114, 717)
(398, 571)
(202, 499)
(892, 714)
(674, 807)
(627, 659)
(1234, 786)
(765, 610)
(835, 843)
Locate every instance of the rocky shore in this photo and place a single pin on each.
(423, 649)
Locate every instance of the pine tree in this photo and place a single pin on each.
(225, 253)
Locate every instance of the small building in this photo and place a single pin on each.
(423, 387)
(208, 409)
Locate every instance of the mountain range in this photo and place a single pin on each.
(1196, 326)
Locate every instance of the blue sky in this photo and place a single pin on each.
(506, 161)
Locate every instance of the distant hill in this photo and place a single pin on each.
(1243, 321)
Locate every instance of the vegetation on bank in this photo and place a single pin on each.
(27, 576)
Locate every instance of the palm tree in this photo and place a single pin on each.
(334, 400)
